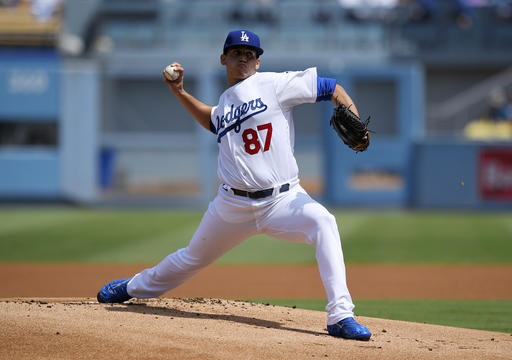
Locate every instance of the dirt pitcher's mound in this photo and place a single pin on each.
(218, 329)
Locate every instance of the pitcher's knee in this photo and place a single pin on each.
(323, 227)
(325, 220)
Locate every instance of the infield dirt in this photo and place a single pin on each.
(75, 326)
(218, 329)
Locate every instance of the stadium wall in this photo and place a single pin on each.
(403, 168)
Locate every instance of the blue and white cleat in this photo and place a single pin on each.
(349, 329)
(114, 292)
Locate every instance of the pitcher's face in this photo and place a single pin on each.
(240, 62)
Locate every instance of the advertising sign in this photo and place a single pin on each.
(28, 85)
(495, 174)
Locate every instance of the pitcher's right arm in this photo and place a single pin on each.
(198, 109)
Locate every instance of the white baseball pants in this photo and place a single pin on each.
(230, 219)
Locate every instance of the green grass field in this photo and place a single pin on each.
(88, 235)
(493, 315)
(61, 234)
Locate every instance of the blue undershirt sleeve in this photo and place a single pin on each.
(324, 88)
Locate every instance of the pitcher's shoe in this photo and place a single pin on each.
(114, 292)
(349, 329)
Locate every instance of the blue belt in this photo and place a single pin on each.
(260, 193)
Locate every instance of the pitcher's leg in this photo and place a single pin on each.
(297, 217)
(331, 265)
(212, 239)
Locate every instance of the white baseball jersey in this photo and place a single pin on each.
(254, 126)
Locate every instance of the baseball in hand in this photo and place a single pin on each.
(170, 73)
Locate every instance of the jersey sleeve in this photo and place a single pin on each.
(296, 87)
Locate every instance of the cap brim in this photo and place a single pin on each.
(258, 50)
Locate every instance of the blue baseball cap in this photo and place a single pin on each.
(245, 38)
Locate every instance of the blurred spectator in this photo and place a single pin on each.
(500, 105)
(460, 11)
(509, 102)
(368, 9)
(9, 3)
(324, 14)
(503, 9)
(44, 10)
(323, 17)
(263, 12)
(422, 10)
(496, 122)
(236, 15)
(463, 14)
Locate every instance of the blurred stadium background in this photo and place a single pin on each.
(85, 117)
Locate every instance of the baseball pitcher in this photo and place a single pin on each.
(260, 190)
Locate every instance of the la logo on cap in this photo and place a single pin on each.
(244, 37)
